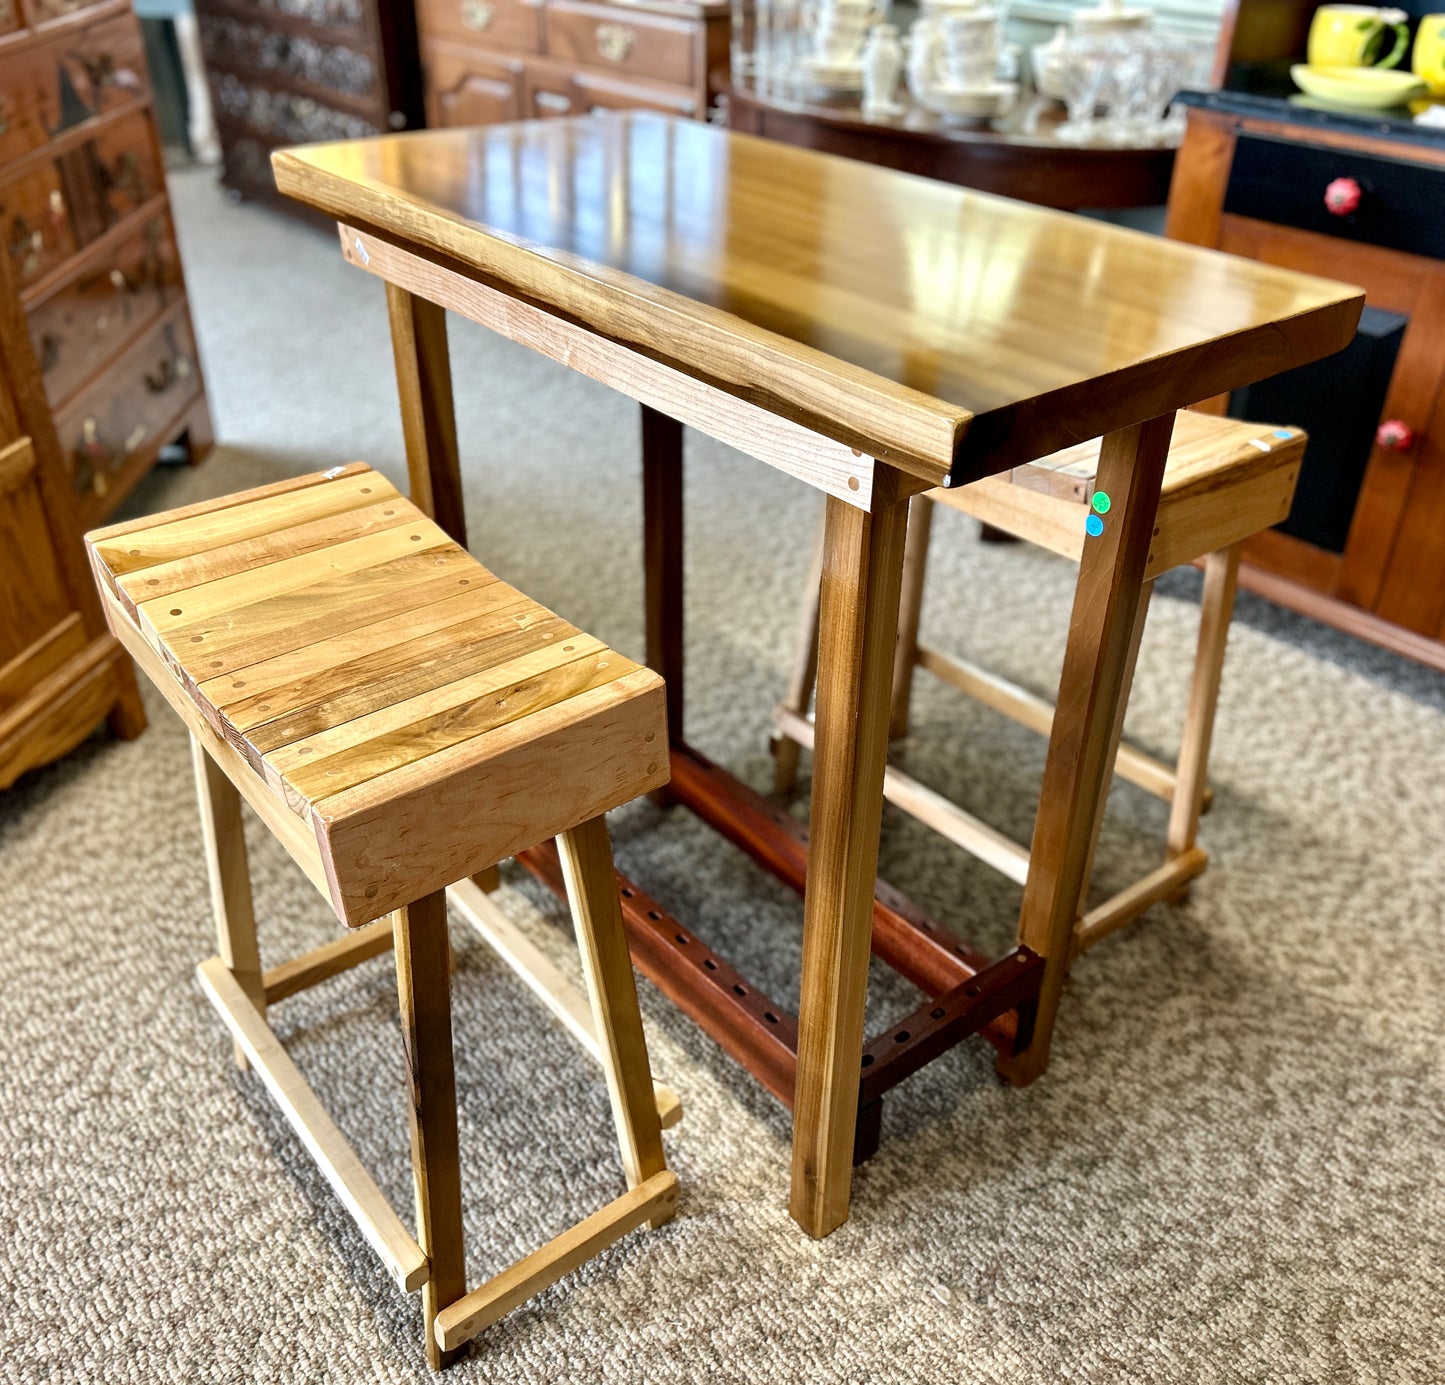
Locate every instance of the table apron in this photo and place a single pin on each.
(829, 466)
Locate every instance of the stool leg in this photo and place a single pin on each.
(488, 880)
(905, 656)
(1102, 635)
(1131, 659)
(423, 982)
(805, 672)
(1221, 576)
(586, 856)
(230, 878)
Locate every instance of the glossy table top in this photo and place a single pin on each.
(945, 331)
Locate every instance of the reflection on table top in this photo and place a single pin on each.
(942, 330)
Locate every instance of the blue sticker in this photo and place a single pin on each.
(1094, 525)
(1283, 433)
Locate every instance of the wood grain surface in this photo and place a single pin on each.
(944, 331)
(375, 679)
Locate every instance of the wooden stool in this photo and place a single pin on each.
(400, 720)
(1224, 480)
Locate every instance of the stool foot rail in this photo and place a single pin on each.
(654, 1199)
(396, 1247)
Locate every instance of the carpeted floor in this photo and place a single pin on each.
(1233, 1171)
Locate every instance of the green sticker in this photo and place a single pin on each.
(1102, 502)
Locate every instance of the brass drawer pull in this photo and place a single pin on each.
(477, 14)
(615, 41)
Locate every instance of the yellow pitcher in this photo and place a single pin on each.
(1354, 36)
(1429, 61)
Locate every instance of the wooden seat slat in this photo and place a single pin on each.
(308, 660)
(358, 667)
(515, 635)
(180, 574)
(175, 537)
(337, 606)
(176, 617)
(419, 712)
(382, 753)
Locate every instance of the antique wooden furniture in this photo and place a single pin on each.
(60, 670)
(1362, 548)
(286, 71)
(100, 354)
(98, 368)
(488, 61)
(875, 336)
(1006, 157)
(1223, 481)
(400, 720)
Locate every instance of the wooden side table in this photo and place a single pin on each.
(732, 298)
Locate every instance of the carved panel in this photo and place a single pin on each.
(89, 320)
(283, 116)
(240, 43)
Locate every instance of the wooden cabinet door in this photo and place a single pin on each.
(473, 88)
(56, 679)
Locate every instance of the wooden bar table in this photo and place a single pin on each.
(872, 334)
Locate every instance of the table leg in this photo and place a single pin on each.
(862, 574)
(1102, 638)
(662, 546)
(428, 419)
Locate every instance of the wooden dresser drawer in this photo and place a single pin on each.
(48, 88)
(509, 23)
(618, 39)
(285, 117)
(56, 206)
(129, 409)
(241, 43)
(9, 16)
(1284, 182)
(87, 321)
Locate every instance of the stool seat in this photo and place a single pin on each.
(1257, 463)
(378, 680)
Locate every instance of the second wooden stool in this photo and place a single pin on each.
(1224, 481)
(400, 720)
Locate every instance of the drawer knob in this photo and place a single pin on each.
(1342, 196)
(1395, 436)
(477, 14)
(615, 41)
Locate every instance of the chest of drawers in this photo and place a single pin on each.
(98, 367)
(293, 71)
(488, 61)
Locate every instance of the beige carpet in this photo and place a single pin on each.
(1233, 1170)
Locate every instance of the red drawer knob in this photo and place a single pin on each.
(1342, 196)
(1395, 436)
